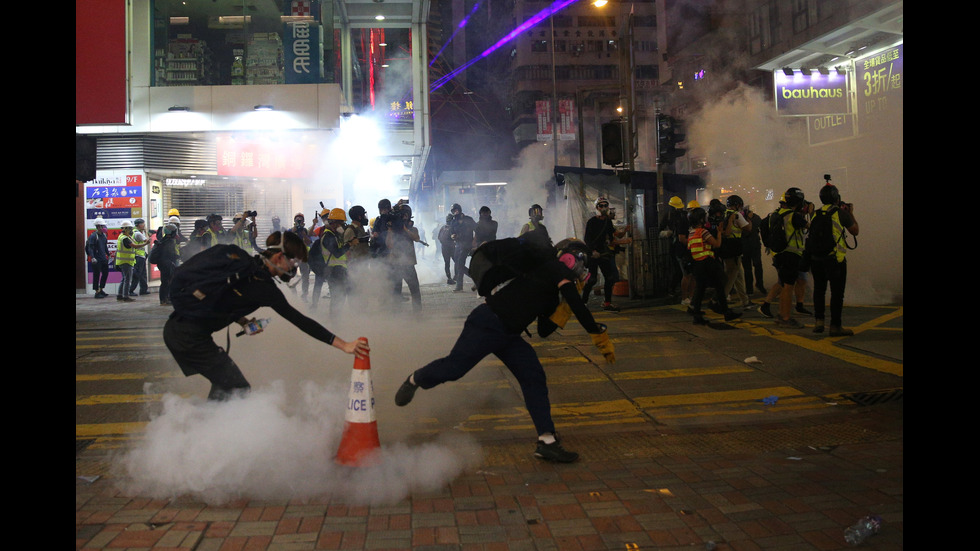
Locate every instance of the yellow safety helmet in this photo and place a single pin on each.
(173, 212)
(693, 204)
(337, 214)
(676, 202)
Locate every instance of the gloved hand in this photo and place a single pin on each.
(602, 342)
(561, 314)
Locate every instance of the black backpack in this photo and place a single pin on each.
(773, 232)
(200, 282)
(820, 240)
(315, 258)
(495, 262)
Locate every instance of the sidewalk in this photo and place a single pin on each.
(792, 483)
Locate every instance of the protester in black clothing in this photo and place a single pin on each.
(462, 228)
(548, 292)
(448, 246)
(752, 252)
(166, 255)
(600, 238)
(97, 249)
(299, 228)
(188, 334)
(486, 227)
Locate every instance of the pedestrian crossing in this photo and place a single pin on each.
(666, 374)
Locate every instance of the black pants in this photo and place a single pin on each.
(484, 334)
(100, 274)
(192, 346)
(447, 256)
(708, 273)
(752, 266)
(610, 275)
(834, 273)
(166, 276)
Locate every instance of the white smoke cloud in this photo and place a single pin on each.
(266, 446)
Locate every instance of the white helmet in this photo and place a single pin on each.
(126, 224)
(99, 221)
(174, 220)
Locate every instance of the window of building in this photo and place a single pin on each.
(763, 25)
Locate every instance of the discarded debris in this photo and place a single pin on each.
(770, 400)
(89, 479)
(752, 360)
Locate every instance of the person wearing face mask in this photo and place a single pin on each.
(201, 308)
(600, 234)
(97, 249)
(545, 285)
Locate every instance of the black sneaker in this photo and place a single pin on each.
(554, 452)
(732, 315)
(801, 309)
(405, 393)
(450, 281)
(764, 310)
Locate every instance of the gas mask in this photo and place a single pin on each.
(577, 263)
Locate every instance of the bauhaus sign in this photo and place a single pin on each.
(814, 94)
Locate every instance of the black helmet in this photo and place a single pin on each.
(139, 221)
(384, 204)
(735, 202)
(535, 207)
(213, 217)
(455, 208)
(356, 212)
(829, 195)
(696, 217)
(794, 197)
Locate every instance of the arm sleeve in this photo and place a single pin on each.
(277, 301)
(570, 293)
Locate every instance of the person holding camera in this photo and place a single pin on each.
(299, 228)
(788, 262)
(752, 252)
(828, 262)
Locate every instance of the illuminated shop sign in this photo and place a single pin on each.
(814, 94)
(880, 84)
(303, 44)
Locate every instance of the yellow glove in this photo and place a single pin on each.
(602, 342)
(561, 314)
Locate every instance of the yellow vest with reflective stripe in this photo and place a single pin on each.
(124, 254)
(333, 260)
(142, 250)
(699, 248)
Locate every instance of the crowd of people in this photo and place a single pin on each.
(721, 248)
(718, 248)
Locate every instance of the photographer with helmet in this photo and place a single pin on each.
(787, 228)
(826, 247)
(402, 237)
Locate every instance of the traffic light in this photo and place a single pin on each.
(612, 143)
(668, 136)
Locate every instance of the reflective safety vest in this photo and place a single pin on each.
(142, 250)
(840, 244)
(124, 254)
(795, 240)
(736, 231)
(241, 240)
(699, 248)
(333, 260)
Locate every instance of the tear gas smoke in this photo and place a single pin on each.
(267, 446)
(280, 441)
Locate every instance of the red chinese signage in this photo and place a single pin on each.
(264, 158)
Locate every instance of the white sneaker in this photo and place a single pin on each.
(686, 302)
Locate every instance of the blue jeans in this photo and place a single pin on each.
(484, 334)
(127, 279)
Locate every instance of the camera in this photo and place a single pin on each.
(251, 214)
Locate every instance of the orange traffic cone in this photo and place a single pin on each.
(360, 437)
